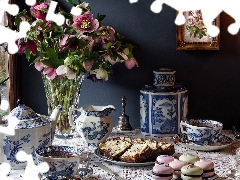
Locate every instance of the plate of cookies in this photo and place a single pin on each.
(186, 167)
(129, 151)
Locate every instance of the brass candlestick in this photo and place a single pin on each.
(123, 122)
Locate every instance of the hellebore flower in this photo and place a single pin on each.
(39, 65)
(30, 44)
(130, 63)
(87, 65)
(191, 21)
(85, 23)
(63, 70)
(50, 72)
(39, 11)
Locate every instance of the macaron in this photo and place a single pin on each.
(164, 159)
(177, 164)
(190, 158)
(207, 167)
(191, 172)
(162, 172)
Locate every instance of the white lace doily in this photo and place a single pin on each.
(223, 159)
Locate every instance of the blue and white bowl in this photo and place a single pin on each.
(202, 131)
(62, 160)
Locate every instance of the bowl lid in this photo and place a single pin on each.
(26, 116)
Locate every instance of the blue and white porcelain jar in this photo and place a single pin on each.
(163, 105)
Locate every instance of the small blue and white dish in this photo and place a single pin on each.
(63, 161)
(202, 131)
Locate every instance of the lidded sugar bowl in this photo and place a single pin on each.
(163, 105)
(31, 132)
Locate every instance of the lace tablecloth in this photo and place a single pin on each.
(223, 159)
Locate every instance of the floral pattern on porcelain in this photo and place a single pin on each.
(163, 107)
(164, 77)
(31, 132)
(12, 147)
(27, 117)
(202, 131)
(60, 166)
(164, 114)
(144, 115)
(94, 124)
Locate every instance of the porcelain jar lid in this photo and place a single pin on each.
(26, 116)
(164, 77)
(164, 89)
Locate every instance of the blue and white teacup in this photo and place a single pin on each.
(201, 131)
(62, 160)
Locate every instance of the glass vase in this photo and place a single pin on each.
(64, 92)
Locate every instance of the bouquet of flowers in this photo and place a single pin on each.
(195, 25)
(63, 53)
(81, 44)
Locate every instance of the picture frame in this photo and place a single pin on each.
(188, 39)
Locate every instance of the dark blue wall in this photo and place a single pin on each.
(212, 77)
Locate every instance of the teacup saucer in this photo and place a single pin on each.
(82, 175)
(222, 142)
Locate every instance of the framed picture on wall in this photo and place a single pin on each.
(194, 36)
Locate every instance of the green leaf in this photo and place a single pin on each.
(100, 17)
(71, 2)
(108, 45)
(27, 53)
(52, 54)
(48, 62)
(64, 54)
(57, 34)
(68, 30)
(37, 59)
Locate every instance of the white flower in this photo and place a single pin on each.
(101, 73)
(124, 56)
(63, 70)
(109, 59)
(83, 5)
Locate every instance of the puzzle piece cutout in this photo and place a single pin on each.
(7, 35)
(10, 129)
(51, 16)
(31, 171)
(30, 2)
(4, 170)
(210, 11)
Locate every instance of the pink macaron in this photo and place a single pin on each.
(207, 166)
(162, 172)
(164, 159)
(177, 165)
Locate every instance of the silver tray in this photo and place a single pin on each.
(223, 142)
(122, 163)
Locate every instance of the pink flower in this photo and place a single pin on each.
(190, 13)
(85, 23)
(199, 15)
(106, 32)
(87, 65)
(64, 42)
(130, 63)
(39, 65)
(191, 21)
(39, 10)
(32, 46)
(50, 72)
